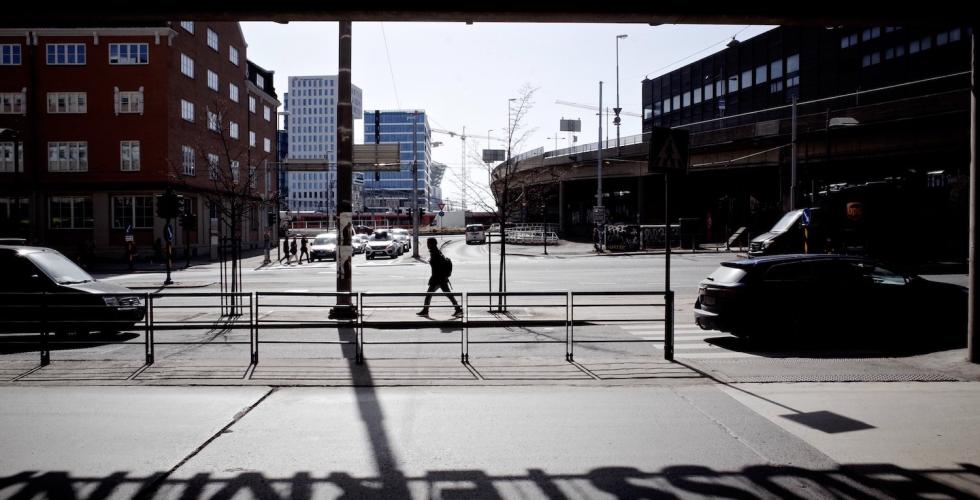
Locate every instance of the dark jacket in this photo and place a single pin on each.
(440, 268)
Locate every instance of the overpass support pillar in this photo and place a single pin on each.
(561, 208)
(641, 215)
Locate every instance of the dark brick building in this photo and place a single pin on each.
(106, 119)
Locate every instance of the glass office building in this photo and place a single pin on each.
(384, 191)
(311, 122)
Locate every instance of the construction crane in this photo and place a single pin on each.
(462, 136)
(594, 108)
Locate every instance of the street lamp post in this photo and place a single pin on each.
(617, 109)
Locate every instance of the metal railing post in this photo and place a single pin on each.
(465, 333)
(568, 325)
(359, 331)
(669, 334)
(146, 330)
(45, 352)
(254, 333)
(153, 333)
(571, 327)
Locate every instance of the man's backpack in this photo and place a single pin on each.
(444, 267)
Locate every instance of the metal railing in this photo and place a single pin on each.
(258, 312)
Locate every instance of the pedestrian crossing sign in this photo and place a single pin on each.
(668, 150)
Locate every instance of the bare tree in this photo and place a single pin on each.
(239, 185)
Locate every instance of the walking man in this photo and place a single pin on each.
(285, 250)
(292, 250)
(304, 251)
(442, 268)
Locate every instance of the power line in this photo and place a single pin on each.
(391, 71)
(726, 40)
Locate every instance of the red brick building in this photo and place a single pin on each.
(106, 119)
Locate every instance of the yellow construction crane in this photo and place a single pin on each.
(462, 136)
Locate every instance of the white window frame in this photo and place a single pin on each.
(795, 58)
(233, 130)
(130, 206)
(73, 201)
(267, 113)
(235, 171)
(251, 138)
(7, 53)
(266, 145)
(212, 121)
(251, 104)
(746, 79)
(129, 156)
(188, 26)
(68, 156)
(187, 65)
(213, 81)
(187, 110)
(213, 40)
(259, 81)
(233, 55)
(187, 154)
(709, 92)
(80, 57)
(130, 59)
(73, 102)
(7, 157)
(134, 101)
(233, 92)
(213, 165)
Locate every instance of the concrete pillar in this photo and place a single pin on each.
(641, 215)
(561, 208)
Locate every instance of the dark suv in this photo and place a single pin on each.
(42, 289)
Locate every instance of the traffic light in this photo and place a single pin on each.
(167, 205)
(188, 221)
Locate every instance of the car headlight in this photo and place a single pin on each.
(765, 244)
(111, 301)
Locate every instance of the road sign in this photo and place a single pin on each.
(491, 155)
(441, 213)
(668, 150)
(806, 217)
(570, 125)
(169, 233)
(599, 215)
(441, 206)
(129, 229)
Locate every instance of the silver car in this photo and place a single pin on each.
(383, 243)
(403, 236)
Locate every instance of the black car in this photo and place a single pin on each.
(826, 294)
(43, 289)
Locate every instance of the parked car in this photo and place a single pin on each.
(475, 234)
(404, 237)
(41, 288)
(827, 294)
(12, 241)
(786, 236)
(324, 247)
(359, 242)
(383, 243)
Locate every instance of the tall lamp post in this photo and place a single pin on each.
(617, 109)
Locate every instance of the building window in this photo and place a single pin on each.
(68, 156)
(136, 211)
(70, 212)
(251, 138)
(776, 86)
(732, 84)
(233, 92)
(676, 102)
(187, 110)
(709, 92)
(212, 80)
(719, 88)
(66, 53)
(792, 81)
(212, 39)
(212, 166)
(233, 130)
(233, 55)
(187, 154)
(954, 35)
(914, 47)
(187, 25)
(129, 156)
(67, 102)
(259, 81)
(666, 106)
(870, 34)
(234, 171)
(926, 43)
(267, 145)
(871, 59)
(129, 102)
(942, 38)
(267, 113)
(776, 69)
(746, 79)
(656, 111)
(212, 121)
(186, 65)
(792, 63)
(686, 99)
(7, 157)
(900, 51)
(251, 104)
(10, 54)
(697, 95)
(129, 53)
(760, 74)
(848, 40)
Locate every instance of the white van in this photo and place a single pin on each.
(475, 234)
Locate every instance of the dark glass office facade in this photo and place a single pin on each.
(393, 190)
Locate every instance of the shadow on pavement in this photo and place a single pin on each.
(862, 481)
(840, 346)
(19, 343)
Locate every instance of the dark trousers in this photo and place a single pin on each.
(436, 286)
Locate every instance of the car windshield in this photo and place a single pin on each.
(474, 229)
(326, 240)
(381, 237)
(59, 268)
(786, 222)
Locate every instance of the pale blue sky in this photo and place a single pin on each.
(463, 75)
